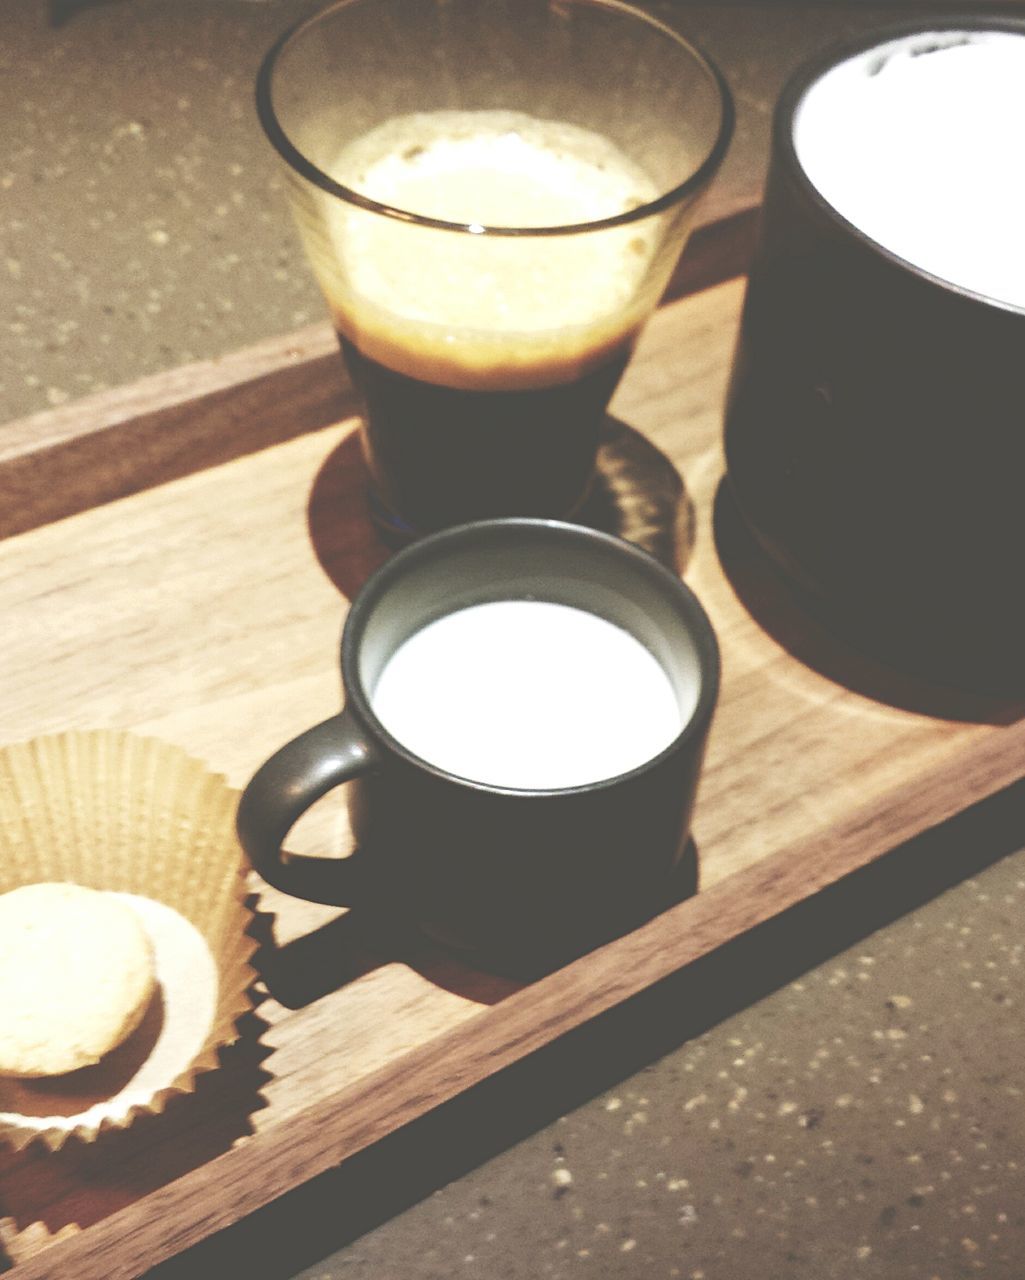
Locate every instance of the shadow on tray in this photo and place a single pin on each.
(381, 932)
(637, 495)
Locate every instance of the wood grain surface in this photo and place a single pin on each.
(206, 611)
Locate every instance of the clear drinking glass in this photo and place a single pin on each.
(493, 195)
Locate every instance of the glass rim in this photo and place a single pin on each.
(305, 167)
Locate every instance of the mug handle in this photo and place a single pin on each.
(280, 792)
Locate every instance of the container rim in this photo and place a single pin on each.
(810, 72)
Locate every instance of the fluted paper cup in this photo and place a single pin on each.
(140, 818)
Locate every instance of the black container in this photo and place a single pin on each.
(875, 429)
(522, 879)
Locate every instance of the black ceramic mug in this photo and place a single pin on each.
(524, 876)
(875, 432)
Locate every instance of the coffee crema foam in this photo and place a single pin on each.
(918, 142)
(475, 311)
(530, 694)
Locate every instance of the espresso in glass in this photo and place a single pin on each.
(493, 195)
(490, 356)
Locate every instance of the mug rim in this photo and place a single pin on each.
(814, 69)
(381, 581)
(692, 185)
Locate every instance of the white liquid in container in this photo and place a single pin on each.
(530, 694)
(920, 144)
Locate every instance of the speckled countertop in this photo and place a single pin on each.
(865, 1120)
(839, 1095)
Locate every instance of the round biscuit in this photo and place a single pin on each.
(76, 977)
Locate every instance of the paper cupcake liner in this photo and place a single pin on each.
(143, 819)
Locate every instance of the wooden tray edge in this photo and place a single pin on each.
(241, 1181)
(60, 462)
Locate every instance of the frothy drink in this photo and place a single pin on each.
(530, 694)
(486, 361)
(918, 143)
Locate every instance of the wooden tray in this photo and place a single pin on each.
(204, 607)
